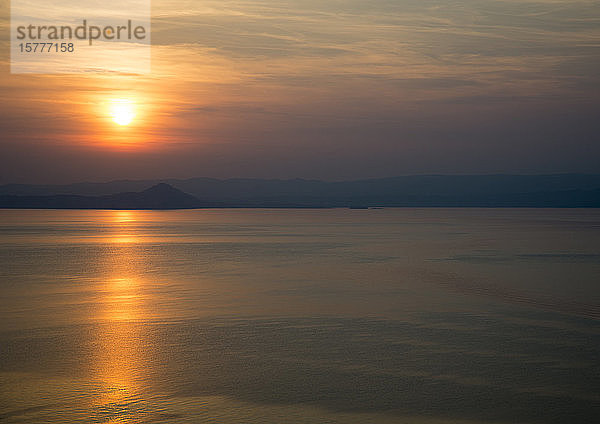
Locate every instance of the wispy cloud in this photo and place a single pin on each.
(377, 76)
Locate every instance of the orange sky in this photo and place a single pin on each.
(322, 90)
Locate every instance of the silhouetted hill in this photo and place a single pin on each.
(558, 190)
(160, 196)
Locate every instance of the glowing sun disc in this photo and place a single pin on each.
(122, 112)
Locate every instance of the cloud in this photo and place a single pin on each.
(377, 76)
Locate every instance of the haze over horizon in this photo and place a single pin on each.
(333, 91)
(155, 180)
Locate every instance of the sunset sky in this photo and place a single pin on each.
(321, 89)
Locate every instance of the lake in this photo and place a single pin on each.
(300, 316)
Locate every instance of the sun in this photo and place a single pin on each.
(122, 111)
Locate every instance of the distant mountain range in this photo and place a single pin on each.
(159, 196)
(558, 190)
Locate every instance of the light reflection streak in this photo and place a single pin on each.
(122, 339)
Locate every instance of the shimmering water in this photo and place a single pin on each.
(300, 316)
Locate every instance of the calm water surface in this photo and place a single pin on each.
(300, 316)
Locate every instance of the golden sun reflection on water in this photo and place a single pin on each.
(123, 222)
(124, 239)
(123, 216)
(122, 300)
(122, 340)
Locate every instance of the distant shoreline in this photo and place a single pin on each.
(428, 191)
